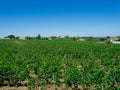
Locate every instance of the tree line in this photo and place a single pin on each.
(77, 38)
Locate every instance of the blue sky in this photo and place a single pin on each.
(60, 17)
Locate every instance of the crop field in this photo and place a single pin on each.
(62, 64)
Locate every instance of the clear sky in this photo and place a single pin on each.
(60, 17)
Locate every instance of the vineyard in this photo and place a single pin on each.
(64, 64)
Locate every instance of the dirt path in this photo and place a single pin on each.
(13, 88)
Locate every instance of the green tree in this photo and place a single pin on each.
(27, 37)
(10, 36)
(39, 36)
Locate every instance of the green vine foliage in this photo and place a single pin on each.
(36, 64)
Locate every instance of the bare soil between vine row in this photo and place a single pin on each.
(49, 87)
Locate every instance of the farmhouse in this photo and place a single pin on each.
(7, 38)
(114, 40)
(22, 38)
(81, 39)
(49, 38)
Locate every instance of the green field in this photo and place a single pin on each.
(83, 65)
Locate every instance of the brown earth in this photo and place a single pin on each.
(13, 88)
(51, 87)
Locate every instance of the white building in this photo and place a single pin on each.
(22, 38)
(115, 42)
